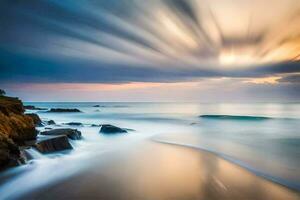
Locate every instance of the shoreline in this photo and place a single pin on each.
(151, 170)
(241, 164)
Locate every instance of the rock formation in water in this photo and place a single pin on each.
(110, 129)
(73, 134)
(15, 129)
(29, 107)
(52, 144)
(51, 122)
(74, 124)
(62, 110)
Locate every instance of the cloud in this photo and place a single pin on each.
(293, 78)
(144, 41)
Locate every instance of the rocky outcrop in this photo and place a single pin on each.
(110, 129)
(9, 152)
(15, 128)
(51, 122)
(13, 122)
(36, 119)
(9, 105)
(73, 134)
(29, 107)
(53, 144)
(74, 124)
(62, 110)
(95, 125)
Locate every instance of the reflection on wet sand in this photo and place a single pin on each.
(160, 171)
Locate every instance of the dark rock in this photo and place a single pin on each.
(52, 144)
(62, 110)
(96, 106)
(70, 133)
(9, 152)
(15, 129)
(95, 125)
(51, 122)
(110, 129)
(74, 124)
(29, 107)
(36, 119)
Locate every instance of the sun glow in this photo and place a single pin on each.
(265, 80)
(233, 58)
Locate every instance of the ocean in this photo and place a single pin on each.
(263, 138)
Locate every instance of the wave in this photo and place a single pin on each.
(235, 117)
(290, 184)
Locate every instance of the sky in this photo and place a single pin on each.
(154, 50)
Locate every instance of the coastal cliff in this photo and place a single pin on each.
(15, 129)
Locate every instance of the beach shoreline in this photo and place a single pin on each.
(150, 170)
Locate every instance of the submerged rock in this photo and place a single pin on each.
(62, 110)
(74, 124)
(96, 106)
(36, 119)
(52, 144)
(29, 107)
(73, 134)
(110, 129)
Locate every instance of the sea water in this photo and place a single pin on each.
(263, 138)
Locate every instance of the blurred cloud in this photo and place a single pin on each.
(293, 78)
(155, 41)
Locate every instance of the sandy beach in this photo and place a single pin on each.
(151, 170)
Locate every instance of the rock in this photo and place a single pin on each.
(9, 105)
(95, 125)
(9, 152)
(29, 107)
(36, 119)
(51, 122)
(74, 124)
(96, 106)
(110, 129)
(13, 122)
(52, 144)
(62, 110)
(70, 133)
(15, 128)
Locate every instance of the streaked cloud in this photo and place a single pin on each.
(137, 43)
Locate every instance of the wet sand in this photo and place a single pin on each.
(154, 171)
